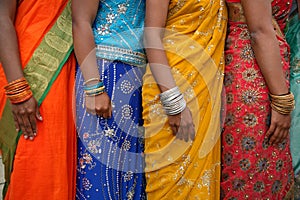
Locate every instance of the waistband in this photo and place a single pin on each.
(124, 55)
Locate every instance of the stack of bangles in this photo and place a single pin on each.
(18, 91)
(283, 104)
(93, 89)
(173, 101)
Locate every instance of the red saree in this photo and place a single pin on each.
(251, 168)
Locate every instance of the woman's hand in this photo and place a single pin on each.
(279, 127)
(100, 105)
(25, 116)
(182, 125)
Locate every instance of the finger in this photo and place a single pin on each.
(38, 114)
(109, 111)
(270, 130)
(32, 120)
(27, 127)
(275, 137)
(22, 127)
(191, 129)
(174, 130)
(279, 136)
(105, 114)
(100, 112)
(91, 111)
(179, 133)
(185, 133)
(16, 123)
(285, 134)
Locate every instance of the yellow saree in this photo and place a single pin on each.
(194, 42)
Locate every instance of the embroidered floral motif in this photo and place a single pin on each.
(263, 164)
(238, 184)
(245, 164)
(248, 143)
(259, 186)
(127, 111)
(229, 98)
(229, 139)
(250, 97)
(126, 145)
(247, 53)
(250, 120)
(86, 184)
(230, 119)
(110, 17)
(103, 29)
(249, 74)
(228, 158)
(276, 187)
(228, 79)
(122, 8)
(128, 176)
(126, 87)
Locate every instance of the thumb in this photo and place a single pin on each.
(37, 114)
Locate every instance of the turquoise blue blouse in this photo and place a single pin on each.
(118, 31)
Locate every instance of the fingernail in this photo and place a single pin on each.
(17, 130)
(34, 134)
(30, 138)
(25, 137)
(40, 118)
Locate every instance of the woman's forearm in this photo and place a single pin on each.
(155, 22)
(267, 54)
(157, 59)
(9, 51)
(84, 47)
(265, 45)
(83, 16)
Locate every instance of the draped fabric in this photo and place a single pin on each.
(110, 151)
(293, 38)
(194, 42)
(44, 168)
(251, 167)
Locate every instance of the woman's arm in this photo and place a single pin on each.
(9, 50)
(83, 15)
(258, 15)
(155, 21)
(24, 113)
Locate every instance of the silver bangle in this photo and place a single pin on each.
(173, 102)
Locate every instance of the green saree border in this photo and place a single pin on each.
(41, 71)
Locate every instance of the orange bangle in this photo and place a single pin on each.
(21, 97)
(18, 90)
(15, 82)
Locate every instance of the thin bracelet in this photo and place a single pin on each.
(90, 80)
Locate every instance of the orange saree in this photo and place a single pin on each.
(43, 168)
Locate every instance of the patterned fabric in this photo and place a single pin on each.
(110, 152)
(252, 169)
(194, 41)
(118, 30)
(293, 38)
